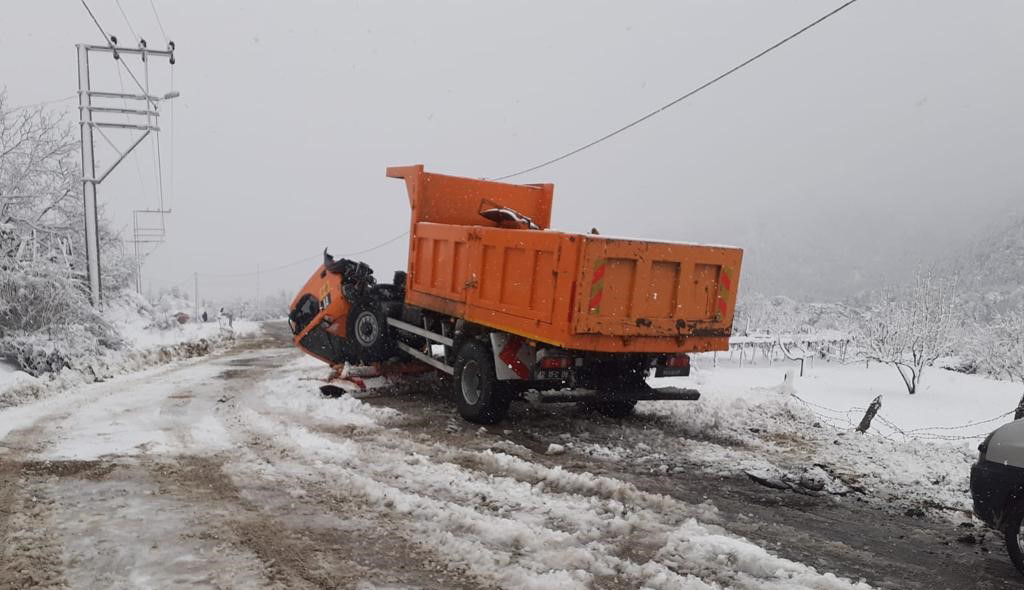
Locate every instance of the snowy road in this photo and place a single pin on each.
(231, 472)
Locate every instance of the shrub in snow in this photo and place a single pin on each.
(41, 298)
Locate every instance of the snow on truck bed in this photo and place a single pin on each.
(656, 241)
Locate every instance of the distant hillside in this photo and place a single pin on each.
(992, 267)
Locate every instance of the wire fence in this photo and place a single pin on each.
(849, 419)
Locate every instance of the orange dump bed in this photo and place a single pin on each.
(580, 292)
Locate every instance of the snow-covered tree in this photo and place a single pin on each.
(910, 328)
(1000, 345)
(39, 183)
(43, 294)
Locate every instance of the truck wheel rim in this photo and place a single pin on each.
(367, 329)
(470, 382)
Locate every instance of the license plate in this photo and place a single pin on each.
(672, 372)
(552, 375)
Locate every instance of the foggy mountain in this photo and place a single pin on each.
(992, 267)
(825, 262)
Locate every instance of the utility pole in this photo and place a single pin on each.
(88, 123)
(257, 289)
(92, 242)
(195, 294)
(144, 234)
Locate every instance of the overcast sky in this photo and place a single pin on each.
(888, 135)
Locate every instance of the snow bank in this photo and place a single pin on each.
(140, 335)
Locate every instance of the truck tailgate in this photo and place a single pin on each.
(631, 287)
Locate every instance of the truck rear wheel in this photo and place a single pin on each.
(480, 397)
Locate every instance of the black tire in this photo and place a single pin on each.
(1014, 535)
(366, 333)
(480, 397)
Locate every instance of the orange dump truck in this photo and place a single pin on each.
(506, 306)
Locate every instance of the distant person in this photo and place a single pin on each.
(229, 315)
(206, 317)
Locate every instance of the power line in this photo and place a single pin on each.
(683, 97)
(98, 25)
(158, 22)
(378, 246)
(303, 260)
(126, 21)
(158, 158)
(110, 44)
(171, 146)
(131, 134)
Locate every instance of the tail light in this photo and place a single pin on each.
(677, 362)
(555, 362)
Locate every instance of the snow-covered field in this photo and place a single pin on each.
(948, 407)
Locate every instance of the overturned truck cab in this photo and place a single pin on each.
(508, 307)
(340, 314)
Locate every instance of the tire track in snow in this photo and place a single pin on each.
(524, 535)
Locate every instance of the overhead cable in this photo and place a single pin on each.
(126, 21)
(158, 21)
(680, 99)
(305, 260)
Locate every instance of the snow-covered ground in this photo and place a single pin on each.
(493, 518)
(778, 425)
(172, 476)
(772, 424)
(949, 406)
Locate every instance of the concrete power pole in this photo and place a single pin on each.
(88, 122)
(92, 241)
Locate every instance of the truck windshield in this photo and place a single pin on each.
(303, 313)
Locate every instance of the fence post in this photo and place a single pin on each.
(865, 422)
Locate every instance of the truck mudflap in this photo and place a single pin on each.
(513, 359)
(649, 394)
